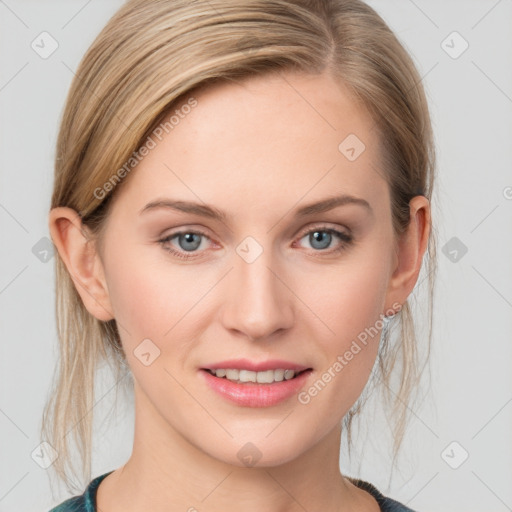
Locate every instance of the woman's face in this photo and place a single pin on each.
(256, 235)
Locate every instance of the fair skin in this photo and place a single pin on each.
(259, 163)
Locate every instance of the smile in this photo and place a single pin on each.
(249, 388)
(264, 377)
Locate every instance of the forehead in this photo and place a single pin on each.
(262, 137)
(296, 107)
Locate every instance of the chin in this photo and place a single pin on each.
(259, 451)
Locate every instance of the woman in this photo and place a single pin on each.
(241, 209)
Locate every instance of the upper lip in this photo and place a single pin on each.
(261, 366)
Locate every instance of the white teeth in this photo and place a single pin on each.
(278, 375)
(247, 376)
(230, 374)
(265, 377)
(289, 374)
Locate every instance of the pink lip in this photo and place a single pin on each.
(252, 394)
(245, 364)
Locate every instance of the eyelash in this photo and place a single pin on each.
(344, 238)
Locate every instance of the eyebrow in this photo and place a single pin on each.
(205, 210)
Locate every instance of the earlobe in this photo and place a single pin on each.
(411, 248)
(77, 250)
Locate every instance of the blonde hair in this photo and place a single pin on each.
(152, 55)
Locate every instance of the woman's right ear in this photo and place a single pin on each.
(77, 250)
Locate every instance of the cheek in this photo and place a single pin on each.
(154, 302)
(148, 299)
(136, 300)
(349, 299)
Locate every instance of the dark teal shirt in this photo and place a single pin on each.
(87, 501)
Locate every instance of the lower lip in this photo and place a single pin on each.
(252, 394)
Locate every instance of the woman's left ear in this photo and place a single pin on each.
(411, 247)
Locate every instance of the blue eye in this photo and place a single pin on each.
(322, 238)
(188, 242)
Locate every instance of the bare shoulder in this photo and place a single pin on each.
(365, 502)
(105, 494)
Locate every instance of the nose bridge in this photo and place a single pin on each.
(258, 303)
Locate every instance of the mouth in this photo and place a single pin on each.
(242, 376)
(250, 383)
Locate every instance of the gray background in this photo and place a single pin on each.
(469, 400)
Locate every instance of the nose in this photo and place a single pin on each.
(256, 302)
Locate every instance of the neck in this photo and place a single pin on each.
(166, 472)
